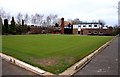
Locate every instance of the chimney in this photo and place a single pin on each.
(62, 25)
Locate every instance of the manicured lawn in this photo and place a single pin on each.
(53, 53)
(0, 43)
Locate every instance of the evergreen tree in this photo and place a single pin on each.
(19, 29)
(23, 27)
(12, 29)
(1, 26)
(5, 27)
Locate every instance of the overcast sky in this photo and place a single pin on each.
(85, 10)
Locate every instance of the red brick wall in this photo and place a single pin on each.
(95, 31)
(75, 31)
(35, 30)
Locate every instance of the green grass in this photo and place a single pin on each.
(0, 43)
(53, 53)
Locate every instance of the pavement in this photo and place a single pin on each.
(105, 63)
(11, 69)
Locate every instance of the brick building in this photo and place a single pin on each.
(40, 29)
(65, 27)
(91, 29)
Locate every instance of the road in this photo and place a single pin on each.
(105, 63)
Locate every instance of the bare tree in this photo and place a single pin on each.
(53, 18)
(33, 19)
(102, 22)
(48, 20)
(44, 22)
(26, 18)
(19, 18)
(70, 20)
(2, 13)
(1, 26)
(76, 21)
(1, 23)
(8, 16)
(40, 18)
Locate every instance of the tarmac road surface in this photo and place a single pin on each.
(11, 69)
(105, 63)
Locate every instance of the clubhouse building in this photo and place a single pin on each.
(65, 27)
(93, 28)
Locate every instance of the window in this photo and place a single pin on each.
(95, 32)
(90, 25)
(79, 26)
(95, 25)
(89, 33)
(84, 25)
(101, 32)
